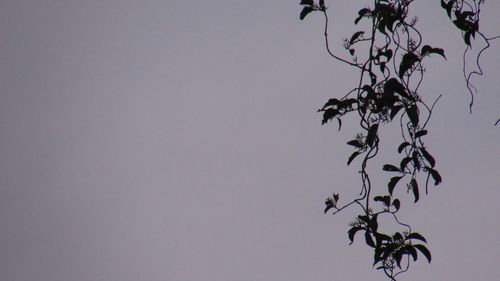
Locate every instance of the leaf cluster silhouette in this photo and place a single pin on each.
(390, 56)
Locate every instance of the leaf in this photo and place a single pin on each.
(382, 237)
(390, 168)
(329, 204)
(420, 133)
(307, 2)
(328, 207)
(397, 236)
(426, 50)
(402, 146)
(355, 36)
(416, 161)
(373, 224)
(305, 11)
(396, 204)
(467, 38)
(340, 123)
(361, 14)
(331, 102)
(352, 232)
(417, 236)
(369, 239)
(404, 162)
(352, 51)
(384, 199)
(448, 6)
(428, 157)
(412, 111)
(424, 251)
(409, 59)
(377, 257)
(398, 255)
(393, 86)
(328, 115)
(372, 134)
(356, 153)
(414, 186)
(355, 143)
(435, 175)
(392, 184)
(411, 250)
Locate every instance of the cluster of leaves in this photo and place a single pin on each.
(390, 55)
(391, 71)
(465, 15)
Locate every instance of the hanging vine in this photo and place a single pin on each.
(390, 56)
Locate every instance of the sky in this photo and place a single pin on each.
(179, 141)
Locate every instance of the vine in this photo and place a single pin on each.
(390, 56)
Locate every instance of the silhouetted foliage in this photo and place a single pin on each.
(390, 57)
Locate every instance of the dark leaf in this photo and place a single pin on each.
(417, 236)
(372, 134)
(352, 232)
(390, 168)
(305, 11)
(426, 50)
(402, 146)
(412, 111)
(398, 255)
(361, 14)
(389, 249)
(356, 153)
(424, 251)
(355, 143)
(328, 115)
(382, 237)
(414, 187)
(428, 157)
(331, 102)
(397, 236)
(393, 86)
(435, 175)
(467, 38)
(385, 199)
(404, 162)
(351, 51)
(392, 184)
(329, 204)
(448, 6)
(328, 207)
(373, 224)
(396, 204)
(369, 239)
(411, 250)
(409, 59)
(377, 257)
(382, 66)
(420, 133)
(416, 161)
(340, 123)
(307, 2)
(355, 36)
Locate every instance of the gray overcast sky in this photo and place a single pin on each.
(178, 140)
